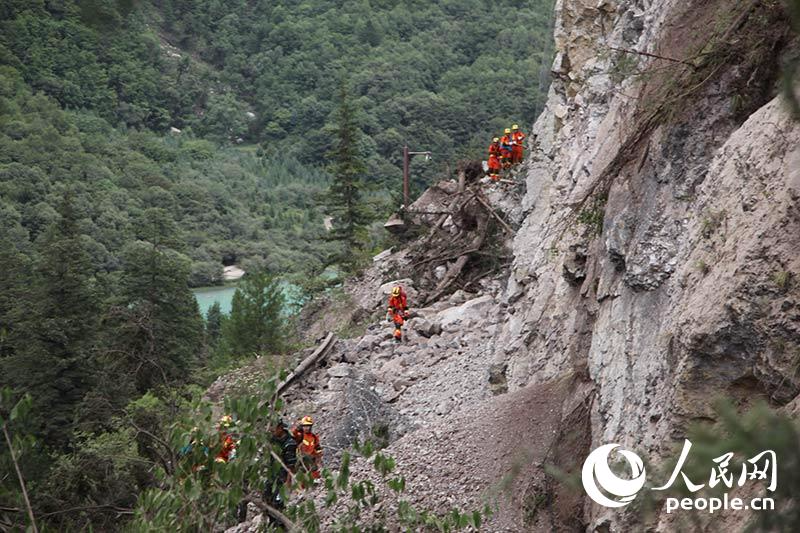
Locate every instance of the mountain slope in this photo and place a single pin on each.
(652, 271)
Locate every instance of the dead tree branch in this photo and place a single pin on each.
(21, 479)
(494, 214)
(321, 350)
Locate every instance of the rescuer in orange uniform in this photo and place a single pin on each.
(494, 167)
(505, 148)
(494, 160)
(308, 448)
(517, 140)
(228, 449)
(398, 311)
(494, 148)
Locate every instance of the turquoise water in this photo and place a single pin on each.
(206, 296)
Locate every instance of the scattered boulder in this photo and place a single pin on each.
(472, 309)
(369, 342)
(402, 384)
(395, 224)
(336, 384)
(498, 383)
(391, 369)
(350, 356)
(458, 297)
(426, 328)
(444, 407)
(340, 371)
(383, 255)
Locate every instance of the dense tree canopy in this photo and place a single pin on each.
(442, 76)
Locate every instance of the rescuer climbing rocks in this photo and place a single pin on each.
(517, 140)
(398, 311)
(494, 160)
(309, 451)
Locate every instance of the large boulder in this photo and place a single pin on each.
(469, 311)
(369, 342)
(426, 328)
(382, 256)
(340, 371)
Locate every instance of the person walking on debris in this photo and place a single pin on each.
(398, 311)
(285, 446)
(517, 140)
(309, 450)
(505, 148)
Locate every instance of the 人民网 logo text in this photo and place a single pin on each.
(610, 490)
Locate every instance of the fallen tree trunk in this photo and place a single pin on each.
(318, 354)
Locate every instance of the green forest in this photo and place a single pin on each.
(95, 91)
(146, 144)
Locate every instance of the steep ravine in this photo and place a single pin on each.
(654, 267)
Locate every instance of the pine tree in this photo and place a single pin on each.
(14, 282)
(156, 328)
(256, 323)
(349, 212)
(55, 329)
(214, 323)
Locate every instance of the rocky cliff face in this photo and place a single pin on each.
(654, 267)
(660, 248)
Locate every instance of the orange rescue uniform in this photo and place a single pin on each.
(517, 149)
(494, 167)
(310, 451)
(505, 150)
(398, 308)
(228, 448)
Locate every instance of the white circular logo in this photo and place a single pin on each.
(597, 472)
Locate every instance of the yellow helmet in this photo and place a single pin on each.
(396, 291)
(226, 421)
(496, 140)
(515, 127)
(307, 421)
(507, 130)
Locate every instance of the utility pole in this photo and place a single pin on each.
(406, 160)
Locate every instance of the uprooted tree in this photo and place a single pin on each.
(466, 236)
